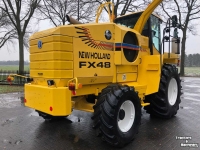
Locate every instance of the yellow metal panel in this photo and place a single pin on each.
(80, 103)
(125, 77)
(118, 36)
(136, 62)
(43, 82)
(172, 55)
(93, 30)
(138, 87)
(126, 68)
(51, 38)
(68, 30)
(54, 46)
(52, 73)
(42, 98)
(141, 89)
(171, 61)
(155, 51)
(52, 65)
(95, 80)
(118, 57)
(44, 33)
(91, 89)
(153, 67)
(123, 58)
(147, 75)
(145, 104)
(144, 41)
(91, 62)
(51, 56)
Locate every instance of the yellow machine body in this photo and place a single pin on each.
(90, 57)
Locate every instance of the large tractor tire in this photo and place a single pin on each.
(165, 103)
(117, 114)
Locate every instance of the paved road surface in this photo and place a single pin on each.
(22, 129)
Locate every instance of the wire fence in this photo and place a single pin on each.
(17, 80)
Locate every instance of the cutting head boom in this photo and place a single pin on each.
(145, 15)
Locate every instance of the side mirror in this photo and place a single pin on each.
(176, 45)
(174, 21)
(175, 34)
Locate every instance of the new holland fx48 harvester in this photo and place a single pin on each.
(110, 69)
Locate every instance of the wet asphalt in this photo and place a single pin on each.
(22, 129)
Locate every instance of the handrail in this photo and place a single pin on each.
(11, 78)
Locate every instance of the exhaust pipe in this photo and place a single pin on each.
(72, 20)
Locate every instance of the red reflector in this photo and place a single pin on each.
(71, 88)
(25, 100)
(51, 108)
(9, 79)
(178, 63)
(74, 92)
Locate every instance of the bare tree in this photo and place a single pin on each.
(187, 11)
(83, 10)
(7, 33)
(121, 7)
(56, 10)
(20, 13)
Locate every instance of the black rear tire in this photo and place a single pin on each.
(110, 110)
(160, 103)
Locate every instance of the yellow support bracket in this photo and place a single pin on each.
(145, 15)
(75, 82)
(17, 75)
(99, 10)
(145, 104)
(11, 77)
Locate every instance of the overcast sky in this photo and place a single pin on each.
(12, 53)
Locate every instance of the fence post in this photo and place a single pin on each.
(24, 78)
(1, 75)
(17, 77)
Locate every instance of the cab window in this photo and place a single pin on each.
(155, 27)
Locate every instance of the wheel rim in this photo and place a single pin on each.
(172, 91)
(126, 116)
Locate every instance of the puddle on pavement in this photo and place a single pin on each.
(190, 94)
(181, 107)
(11, 100)
(34, 113)
(192, 86)
(74, 118)
(71, 118)
(192, 99)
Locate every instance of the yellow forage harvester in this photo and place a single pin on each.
(110, 69)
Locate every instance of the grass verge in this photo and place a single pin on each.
(13, 67)
(191, 71)
(10, 88)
